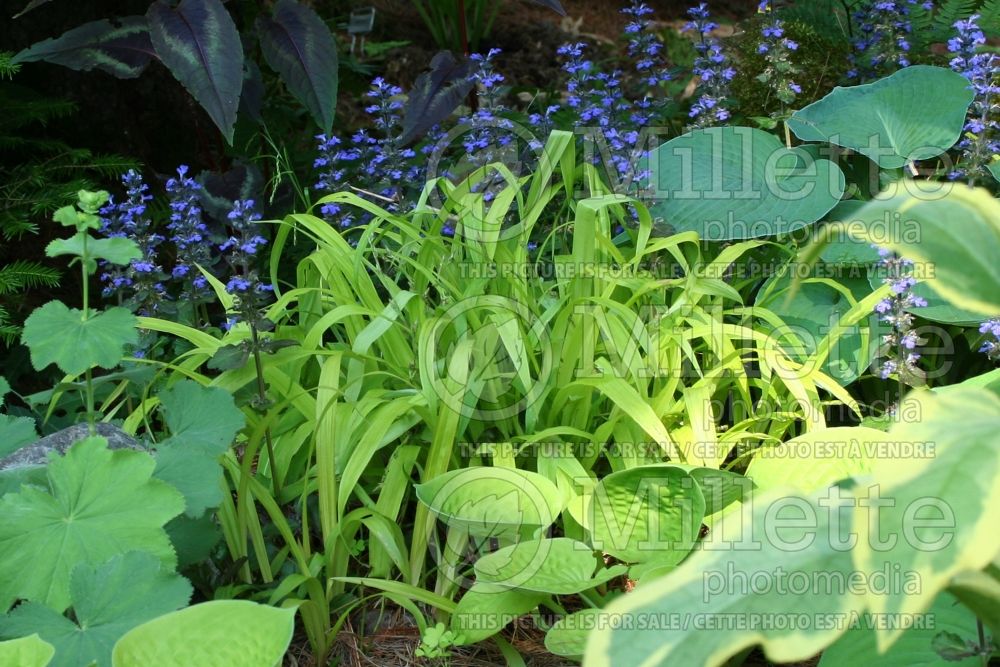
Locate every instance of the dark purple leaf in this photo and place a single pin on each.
(31, 5)
(435, 95)
(252, 98)
(298, 46)
(122, 48)
(220, 189)
(199, 43)
(554, 5)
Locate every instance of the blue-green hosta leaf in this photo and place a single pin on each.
(203, 422)
(115, 250)
(730, 183)
(953, 236)
(108, 601)
(995, 169)
(646, 513)
(222, 633)
(4, 389)
(98, 504)
(485, 609)
(915, 647)
(843, 249)
(298, 45)
(813, 311)
(658, 623)
(200, 45)
(492, 502)
(29, 651)
(558, 566)
(121, 48)
(58, 335)
(915, 114)
(942, 508)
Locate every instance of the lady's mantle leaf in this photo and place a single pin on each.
(98, 504)
(107, 601)
(57, 334)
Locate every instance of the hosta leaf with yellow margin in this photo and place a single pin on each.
(944, 509)
(680, 618)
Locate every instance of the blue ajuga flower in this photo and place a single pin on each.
(643, 46)
(882, 32)
(372, 161)
(900, 344)
(981, 140)
(190, 234)
(611, 123)
(712, 67)
(777, 48)
(241, 251)
(991, 347)
(140, 284)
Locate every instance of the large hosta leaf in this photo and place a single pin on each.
(939, 512)
(199, 43)
(914, 649)
(223, 633)
(57, 334)
(815, 309)
(559, 566)
(485, 609)
(492, 502)
(26, 652)
(953, 236)
(108, 601)
(915, 114)
(738, 183)
(818, 459)
(675, 620)
(98, 504)
(646, 513)
(299, 46)
(122, 48)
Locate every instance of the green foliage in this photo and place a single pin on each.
(892, 111)
(694, 196)
(212, 634)
(60, 335)
(37, 175)
(29, 651)
(96, 504)
(107, 601)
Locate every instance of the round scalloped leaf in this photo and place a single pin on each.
(97, 504)
(107, 601)
(817, 459)
(915, 114)
(730, 183)
(492, 502)
(764, 541)
(559, 566)
(26, 652)
(57, 334)
(646, 513)
(222, 633)
(943, 508)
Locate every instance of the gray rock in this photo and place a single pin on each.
(38, 453)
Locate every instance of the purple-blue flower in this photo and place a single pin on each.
(712, 68)
(899, 344)
(981, 140)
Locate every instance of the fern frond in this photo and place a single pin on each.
(948, 13)
(8, 68)
(989, 17)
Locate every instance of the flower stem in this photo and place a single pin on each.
(262, 397)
